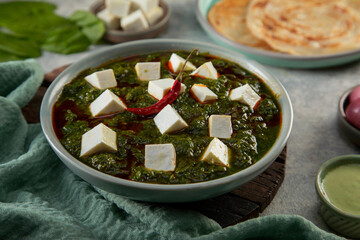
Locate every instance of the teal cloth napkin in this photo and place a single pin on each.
(41, 199)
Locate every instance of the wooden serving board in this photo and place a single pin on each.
(244, 203)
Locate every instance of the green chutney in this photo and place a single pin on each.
(254, 131)
(342, 187)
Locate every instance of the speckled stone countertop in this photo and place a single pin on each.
(315, 137)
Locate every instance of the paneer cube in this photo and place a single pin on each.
(202, 93)
(176, 63)
(107, 103)
(119, 8)
(134, 22)
(207, 70)
(159, 88)
(102, 79)
(168, 120)
(220, 126)
(217, 153)
(111, 21)
(245, 94)
(160, 157)
(154, 14)
(146, 5)
(99, 139)
(147, 71)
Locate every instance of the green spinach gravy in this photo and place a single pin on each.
(254, 132)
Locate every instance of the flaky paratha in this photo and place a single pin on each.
(228, 17)
(354, 4)
(305, 27)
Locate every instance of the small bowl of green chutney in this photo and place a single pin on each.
(338, 187)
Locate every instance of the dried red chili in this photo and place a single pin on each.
(169, 98)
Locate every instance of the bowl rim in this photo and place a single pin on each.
(276, 55)
(118, 33)
(326, 166)
(267, 159)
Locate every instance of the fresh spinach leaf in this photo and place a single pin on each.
(31, 19)
(18, 46)
(26, 27)
(91, 26)
(6, 56)
(66, 40)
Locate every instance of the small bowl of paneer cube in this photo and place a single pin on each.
(128, 20)
(166, 120)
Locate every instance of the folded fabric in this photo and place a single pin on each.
(41, 199)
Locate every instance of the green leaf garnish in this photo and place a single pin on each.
(27, 27)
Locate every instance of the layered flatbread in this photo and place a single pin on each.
(228, 17)
(306, 27)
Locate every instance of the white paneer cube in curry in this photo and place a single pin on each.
(107, 103)
(134, 22)
(217, 153)
(176, 63)
(220, 126)
(147, 71)
(111, 21)
(154, 15)
(119, 8)
(99, 139)
(146, 5)
(207, 70)
(159, 88)
(202, 93)
(160, 157)
(102, 79)
(245, 94)
(168, 120)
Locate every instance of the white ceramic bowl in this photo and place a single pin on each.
(159, 192)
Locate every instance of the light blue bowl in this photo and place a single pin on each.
(158, 192)
(268, 57)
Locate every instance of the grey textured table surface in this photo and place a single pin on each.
(315, 137)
